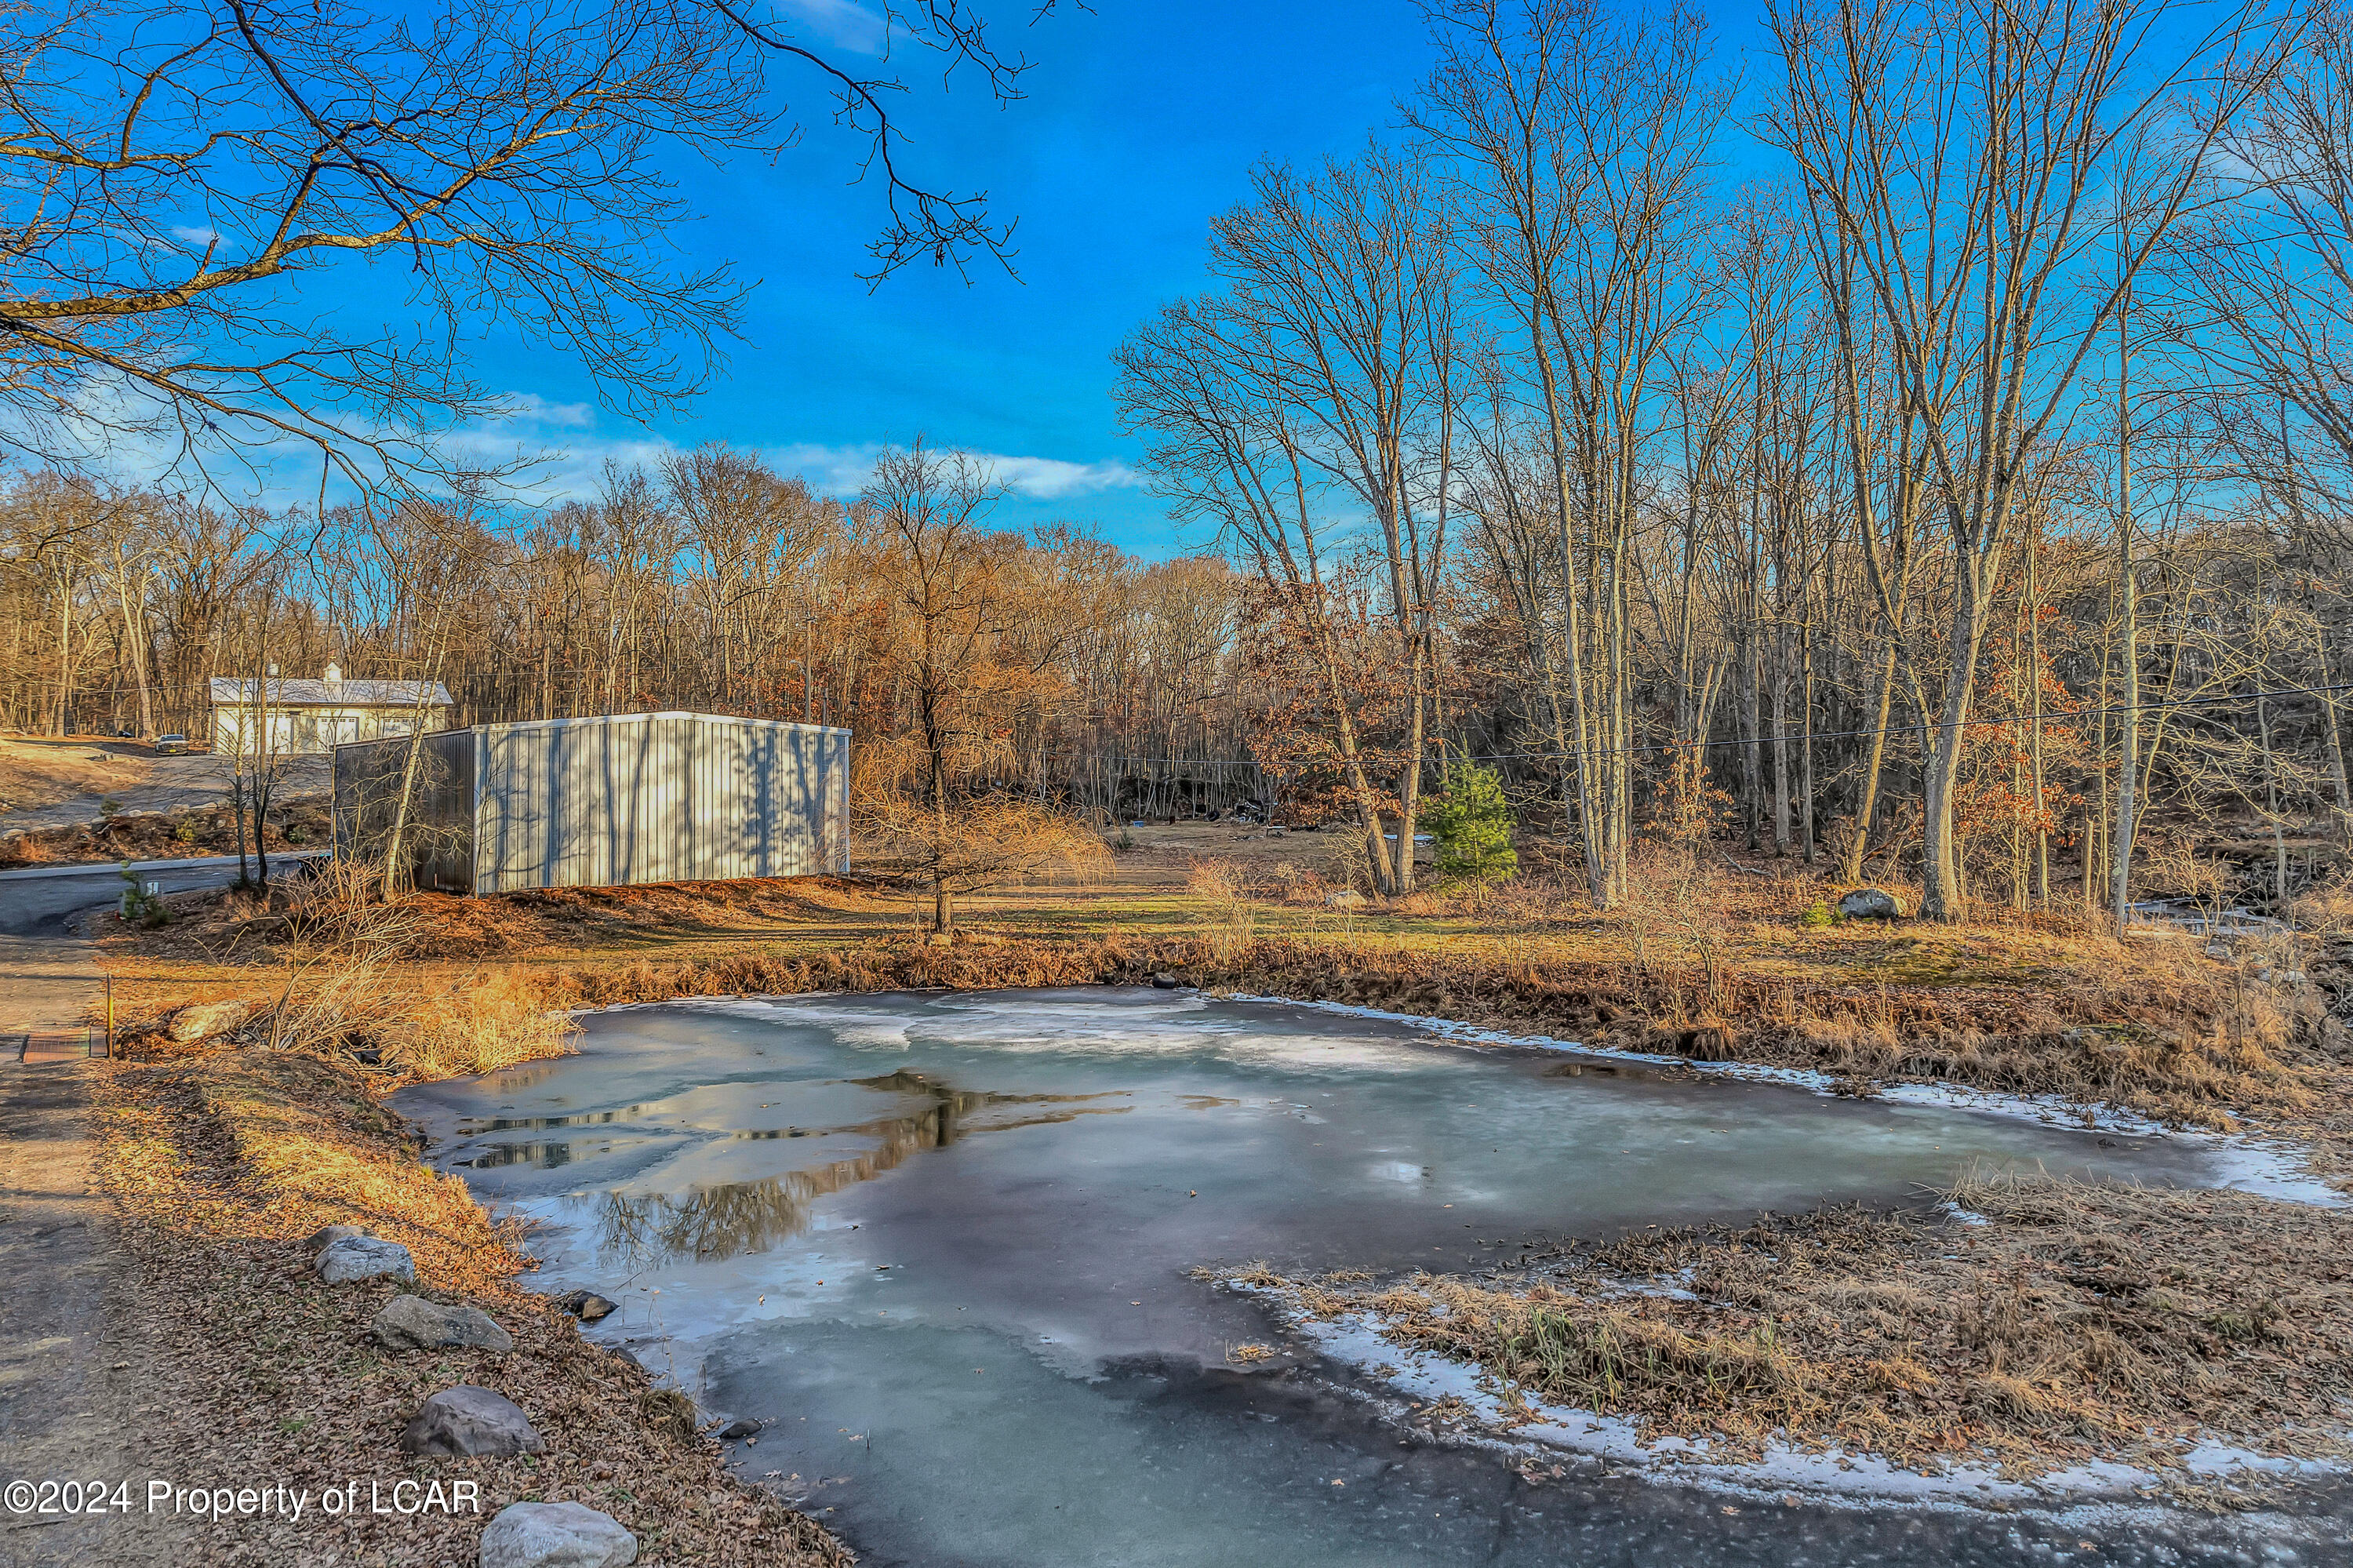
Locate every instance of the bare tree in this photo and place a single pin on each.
(186, 180)
(1960, 154)
(1583, 141)
(1317, 386)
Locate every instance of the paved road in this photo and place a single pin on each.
(75, 1392)
(39, 899)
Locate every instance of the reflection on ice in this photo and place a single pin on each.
(705, 1222)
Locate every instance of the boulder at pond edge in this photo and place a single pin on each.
(467, 1420)
(555, 1535)
(412, 1323)
(328, 1236)
(364, 1257)
(588, 1306)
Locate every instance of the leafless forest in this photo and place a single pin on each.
(1928, 456)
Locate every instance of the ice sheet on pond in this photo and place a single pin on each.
(945, 1243)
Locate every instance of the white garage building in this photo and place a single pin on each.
(304, 715)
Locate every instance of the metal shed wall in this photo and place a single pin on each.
(439, 830)
(667, 797)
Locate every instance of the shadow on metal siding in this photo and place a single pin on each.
(659, 797)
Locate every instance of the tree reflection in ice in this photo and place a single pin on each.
(720, 1222)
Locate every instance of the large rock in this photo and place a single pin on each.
(204, 1019)
(364, 1257)
(1872, 904)
(466, 1421)
(588, 1306)
(412, 1323)
(555, 1535)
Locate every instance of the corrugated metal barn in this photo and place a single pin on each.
(590, 802)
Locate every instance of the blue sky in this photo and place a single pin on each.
(1142, 121)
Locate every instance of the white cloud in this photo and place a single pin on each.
(193, 237)
(572, 461)
(1050, 479)
(549, 452)
(531, 405)
(834, 470)
(841, 22)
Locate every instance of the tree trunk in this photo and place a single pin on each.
(64, 653)
(2128, 659)
(1806, 733)
(2334, 736)
(1944, 894)
(1859, 843)
(2272, 808)
(1781, 780)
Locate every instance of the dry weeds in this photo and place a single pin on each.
(2192, 1052)
(2156, 1028)
(304, 824)
(2082, 1321)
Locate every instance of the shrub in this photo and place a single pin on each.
(1231, 922)
(1470, 823)
(138, 906)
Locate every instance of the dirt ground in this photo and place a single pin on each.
(62, 783)
(78, 1369)
(219, 1163)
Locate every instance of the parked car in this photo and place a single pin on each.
(171, 745)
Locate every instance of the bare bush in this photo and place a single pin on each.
(976, 845)
(1228, 921)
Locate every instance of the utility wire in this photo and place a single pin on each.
(2047, 718)
(2054, 716)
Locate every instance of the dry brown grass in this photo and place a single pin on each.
(2083, 1321)
(2326, 910)
(2195, 1050)
(1708, 962)
(496, 1020)
(221, 1164)
(364, 1008)
(342, 909)
(2202, 1047)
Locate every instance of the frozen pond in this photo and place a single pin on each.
(942, 1244)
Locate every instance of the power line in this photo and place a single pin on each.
(1821, 733)
(1745, 740)
(1925, 728)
